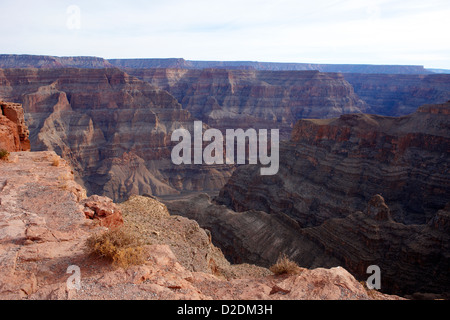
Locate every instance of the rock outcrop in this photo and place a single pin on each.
(354, 191)
(43, 232)
(104, 210)
(13, 130)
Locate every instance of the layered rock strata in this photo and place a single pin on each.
(113, 128)
(413, 259)
(399, 94)
(13, 130)
(43, 229)
(260, 99)
(354, 191)
(331, 168)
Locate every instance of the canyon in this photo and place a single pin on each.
(352, 191)
(363, 173)
(113, 128)
(45, 221)
(114, 125)
(265, 99)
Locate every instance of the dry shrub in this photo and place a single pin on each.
(370, 292)
(55, 161)
(118, 245)
(285, 266)
(4, 154)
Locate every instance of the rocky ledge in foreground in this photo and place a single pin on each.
(45, 220)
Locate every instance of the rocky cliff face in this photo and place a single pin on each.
(263, 99)
(13, 130)
(113, 128)
(399, 94)
(320, 208)
(332, 167)
(40, 237)
(413, 259)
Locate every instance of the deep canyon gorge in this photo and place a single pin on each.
(364, 158)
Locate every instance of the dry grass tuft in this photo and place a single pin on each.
(285, 266)
(4, 154)
(56, 161)
(120, 246)
(370, 292)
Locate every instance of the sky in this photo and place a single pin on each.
(400, 32)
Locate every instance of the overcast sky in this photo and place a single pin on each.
(313, 31)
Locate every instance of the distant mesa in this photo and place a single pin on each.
(42, 61)
(37, 61)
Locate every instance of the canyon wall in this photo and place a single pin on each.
(331, 167)
(261, 99)
(397, 95)
(113, 128)
(45, 222)
(114, 125)
(352, 191)
(229, 98)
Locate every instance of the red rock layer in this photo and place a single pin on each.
(95, 118)
(13, 130)
(320, 207)
(43, 231)
(261, 99)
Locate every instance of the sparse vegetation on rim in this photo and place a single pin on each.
(285, 266)
(4, 154)
(119, 245)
